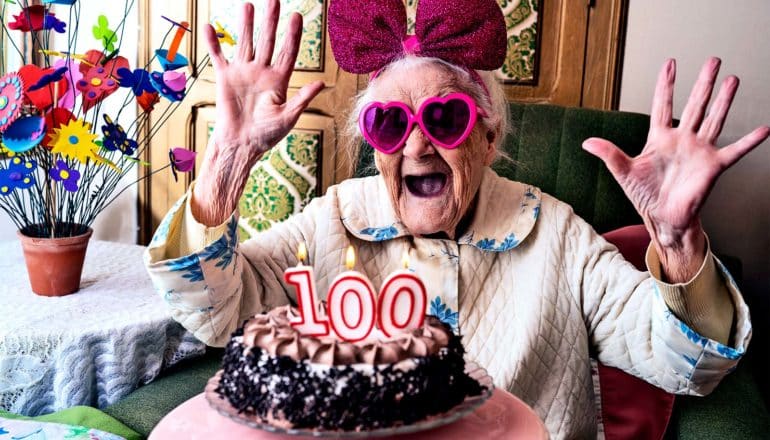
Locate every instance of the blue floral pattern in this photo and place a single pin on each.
(490, 244)
(223, 249)
(190, 265)
(729, 352)
(692, 335)
(690, 360)
(444, 313)
(381, 234)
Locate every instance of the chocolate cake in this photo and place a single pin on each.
(279, 376)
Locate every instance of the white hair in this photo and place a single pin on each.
(494, 103)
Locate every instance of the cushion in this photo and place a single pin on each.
(631, 407)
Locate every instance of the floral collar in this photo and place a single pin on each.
(505, 214)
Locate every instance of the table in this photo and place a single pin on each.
(89, 348)
(503, 416)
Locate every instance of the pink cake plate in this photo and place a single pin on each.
(502, 416)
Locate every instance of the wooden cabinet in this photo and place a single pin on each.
(560, 51)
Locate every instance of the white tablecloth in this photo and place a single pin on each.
(89, 348)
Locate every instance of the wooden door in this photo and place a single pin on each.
(564, 52)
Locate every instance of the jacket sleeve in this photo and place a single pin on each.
(650, 328)
(210, 281)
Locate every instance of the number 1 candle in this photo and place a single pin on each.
(302, 278)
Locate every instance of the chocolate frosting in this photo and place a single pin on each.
(381, 352)
(334, 353)
(273, 333)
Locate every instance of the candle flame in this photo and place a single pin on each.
(405, 260)
(350, 258)
(301, 253)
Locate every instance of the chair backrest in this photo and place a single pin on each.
(545, 146)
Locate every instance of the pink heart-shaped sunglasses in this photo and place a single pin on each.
(447, 121)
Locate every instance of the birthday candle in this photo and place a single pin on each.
(351, 303)
(402, 301)
(303, 280)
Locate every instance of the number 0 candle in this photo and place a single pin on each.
(351, 303)
(402, 302)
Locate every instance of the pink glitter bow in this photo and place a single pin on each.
(368, 35)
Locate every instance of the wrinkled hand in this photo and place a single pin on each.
(251, 93)
(252, 110)
(669, 181)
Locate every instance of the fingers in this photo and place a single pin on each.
(616, 160)
(288, 55)
(246, 40)
(215, 49)
(700, 95)
(712, 125)
(299, 102)
(266, 43)
(663, 101)
(734, 152)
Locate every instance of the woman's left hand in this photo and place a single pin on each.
(671, 178)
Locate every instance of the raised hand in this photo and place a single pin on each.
(671, 178)
(252, 110)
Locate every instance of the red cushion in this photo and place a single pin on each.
(631, 407)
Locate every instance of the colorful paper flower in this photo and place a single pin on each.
(24, 134)
(72, 77)
(95, 86)
(171, 85)
(69, 177)
(148, 100)
(75, 141)
(11, 94)
(42, 98)
(223, 35)
(182, 160)
(48, 78)
(18, 175)
(103, 33)
(138, 80)
(37, 18)
(55, 119)
(115, 138)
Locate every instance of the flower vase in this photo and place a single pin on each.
(54, 265)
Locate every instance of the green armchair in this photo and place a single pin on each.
(546, 150)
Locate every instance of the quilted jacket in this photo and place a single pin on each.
(531, 287)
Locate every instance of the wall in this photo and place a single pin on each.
(737, 214)
(118, 222)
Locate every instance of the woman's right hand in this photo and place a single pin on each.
(252, 110)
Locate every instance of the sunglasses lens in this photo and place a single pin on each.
(385, 126)
(447, 122)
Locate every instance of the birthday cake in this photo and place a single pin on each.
(277, 375)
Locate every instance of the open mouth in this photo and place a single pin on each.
(428, 185)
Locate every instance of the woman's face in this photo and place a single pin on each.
(431, 188)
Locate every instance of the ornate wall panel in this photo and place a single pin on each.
(284, 181)
(521, 21)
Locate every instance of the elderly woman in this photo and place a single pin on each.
(534, 288)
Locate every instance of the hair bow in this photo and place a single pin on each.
(368, 35)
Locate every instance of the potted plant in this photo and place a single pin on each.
(62, 157)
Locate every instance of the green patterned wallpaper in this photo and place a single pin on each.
(521, 20)
(281, 183)
(310, 57)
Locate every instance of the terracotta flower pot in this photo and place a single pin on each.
(54, 265)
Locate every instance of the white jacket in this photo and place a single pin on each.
(533, 289)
